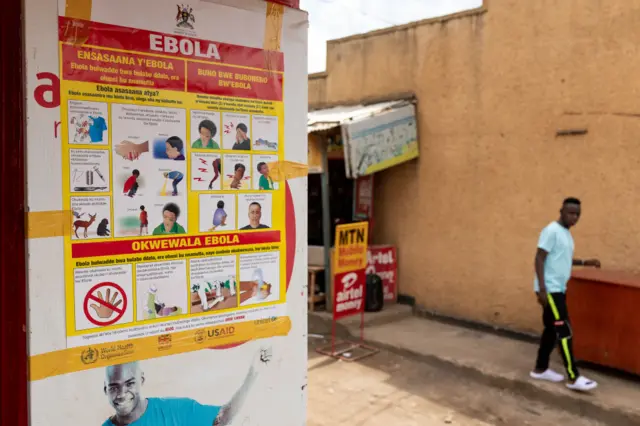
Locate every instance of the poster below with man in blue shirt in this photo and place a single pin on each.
(124, 389)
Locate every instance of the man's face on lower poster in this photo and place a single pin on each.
(123, 387)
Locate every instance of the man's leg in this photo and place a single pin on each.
(547, 344)
(176, 181)
(558, 306)
(133, 190)
(547, 341)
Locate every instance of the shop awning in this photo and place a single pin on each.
(325, 119)
(375, 136)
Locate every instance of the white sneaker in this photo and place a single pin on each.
(582, 384)
(548, 375)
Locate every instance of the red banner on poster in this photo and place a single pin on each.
(382, 261)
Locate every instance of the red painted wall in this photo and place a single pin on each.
(13, 297)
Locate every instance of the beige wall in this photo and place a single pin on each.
(493, 87)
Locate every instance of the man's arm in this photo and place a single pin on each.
(541, 256)
(231, 409)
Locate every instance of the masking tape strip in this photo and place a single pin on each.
(77, 32)
(48, 224)
(280, 171)
(102, 355)
(272, 33)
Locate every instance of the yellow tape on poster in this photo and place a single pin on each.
(280, 171)
(49, 224)
(77, 33)
(273, 26)
(102, 355)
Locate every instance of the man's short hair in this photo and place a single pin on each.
(255, 204)
(571, 200)
(242, 127)
(260, 164)
(239, 166)
(173, 208)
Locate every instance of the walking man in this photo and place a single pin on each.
(553, 262)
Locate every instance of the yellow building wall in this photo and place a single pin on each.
(494, 86)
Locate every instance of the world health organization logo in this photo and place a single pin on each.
(89, 356)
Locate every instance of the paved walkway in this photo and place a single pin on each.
(498, 361)
(391, 389)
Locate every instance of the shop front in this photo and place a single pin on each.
(347, 146)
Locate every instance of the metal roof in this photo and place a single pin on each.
(325, 119)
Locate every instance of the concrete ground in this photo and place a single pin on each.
(430, 373)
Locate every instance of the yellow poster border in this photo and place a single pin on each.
(102, 355)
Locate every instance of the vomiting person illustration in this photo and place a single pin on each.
(175, 177)
(219, 216)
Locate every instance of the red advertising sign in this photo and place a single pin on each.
(349, 266)
(349, 293)
(382, 261)
(364, 198)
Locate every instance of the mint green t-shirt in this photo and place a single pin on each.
(175, 412)
(557, 241)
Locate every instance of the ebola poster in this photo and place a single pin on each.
(167, 284)
(176, 221)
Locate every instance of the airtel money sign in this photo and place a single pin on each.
(350, 262)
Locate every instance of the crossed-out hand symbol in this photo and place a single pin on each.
(104, 311)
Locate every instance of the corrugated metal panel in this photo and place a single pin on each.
(330, 118)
